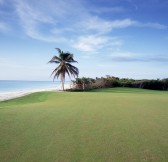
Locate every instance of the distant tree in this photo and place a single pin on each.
(165, 83)
(83, 83)
(64, 60)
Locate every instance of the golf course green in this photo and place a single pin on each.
(105, 125)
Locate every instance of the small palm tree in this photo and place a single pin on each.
(64, 60)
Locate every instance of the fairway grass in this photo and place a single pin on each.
(106, 125)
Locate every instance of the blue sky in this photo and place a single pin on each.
(123, 38)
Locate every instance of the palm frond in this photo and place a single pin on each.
(57, 74)
(71, 61)
(73, 70)
(55, 59)
(57, 62)
(67, 71)
(59, 51)
(55, 70)
(69, 58)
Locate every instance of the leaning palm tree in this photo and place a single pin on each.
(64, 60)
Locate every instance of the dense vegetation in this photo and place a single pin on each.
(110, 81)
(104, 125)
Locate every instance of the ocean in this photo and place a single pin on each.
(19, 86)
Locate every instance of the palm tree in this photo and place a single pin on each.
(64, 60)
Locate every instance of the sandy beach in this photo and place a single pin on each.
(11, 95)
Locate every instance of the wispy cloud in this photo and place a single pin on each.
(99, 25)
(151, 25)
(72, 22)
(50, 21)
(32, 21)
(121, 56)
(90, 43)
(110, 10)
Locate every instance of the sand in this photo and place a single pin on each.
(11, 95)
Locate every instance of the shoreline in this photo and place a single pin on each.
(4, 96)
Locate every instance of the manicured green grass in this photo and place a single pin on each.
(107, 125)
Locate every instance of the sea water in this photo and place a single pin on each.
(19, 86)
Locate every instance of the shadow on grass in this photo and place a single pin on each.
(123, 90)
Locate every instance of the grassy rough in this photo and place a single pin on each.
(107, 125)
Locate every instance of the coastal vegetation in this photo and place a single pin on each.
(64, 60)
(84, 83)
(111, 124)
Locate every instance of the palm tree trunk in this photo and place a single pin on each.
(83, 86)
(62, 80)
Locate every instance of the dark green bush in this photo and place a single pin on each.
(111, 81)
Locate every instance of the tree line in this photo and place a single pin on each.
(84, 83)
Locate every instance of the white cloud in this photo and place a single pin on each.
(48, 20)
(90, 43)
(100, 10)
(122, 23)
(126, 56)
(30, 14)
(151, 25)
(63, 21)
(100, 25)
(32, 20)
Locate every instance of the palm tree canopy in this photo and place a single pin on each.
(64, 60)
(63, 56)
